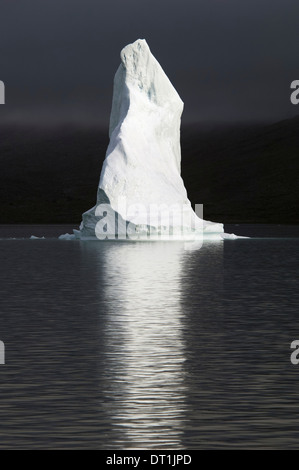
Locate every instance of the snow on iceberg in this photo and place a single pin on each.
(141, 193)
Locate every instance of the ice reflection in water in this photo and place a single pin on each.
(144, 344)
(209, 368)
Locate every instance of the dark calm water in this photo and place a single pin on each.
(148, 345)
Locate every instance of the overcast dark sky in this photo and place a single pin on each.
(229, 60)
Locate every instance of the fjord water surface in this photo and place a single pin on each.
(148, 345)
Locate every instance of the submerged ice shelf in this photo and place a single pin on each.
(141, 193)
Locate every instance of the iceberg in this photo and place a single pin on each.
(141, 194)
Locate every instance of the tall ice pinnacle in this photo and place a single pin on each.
(142, 168)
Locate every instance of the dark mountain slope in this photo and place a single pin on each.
(240, 174)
